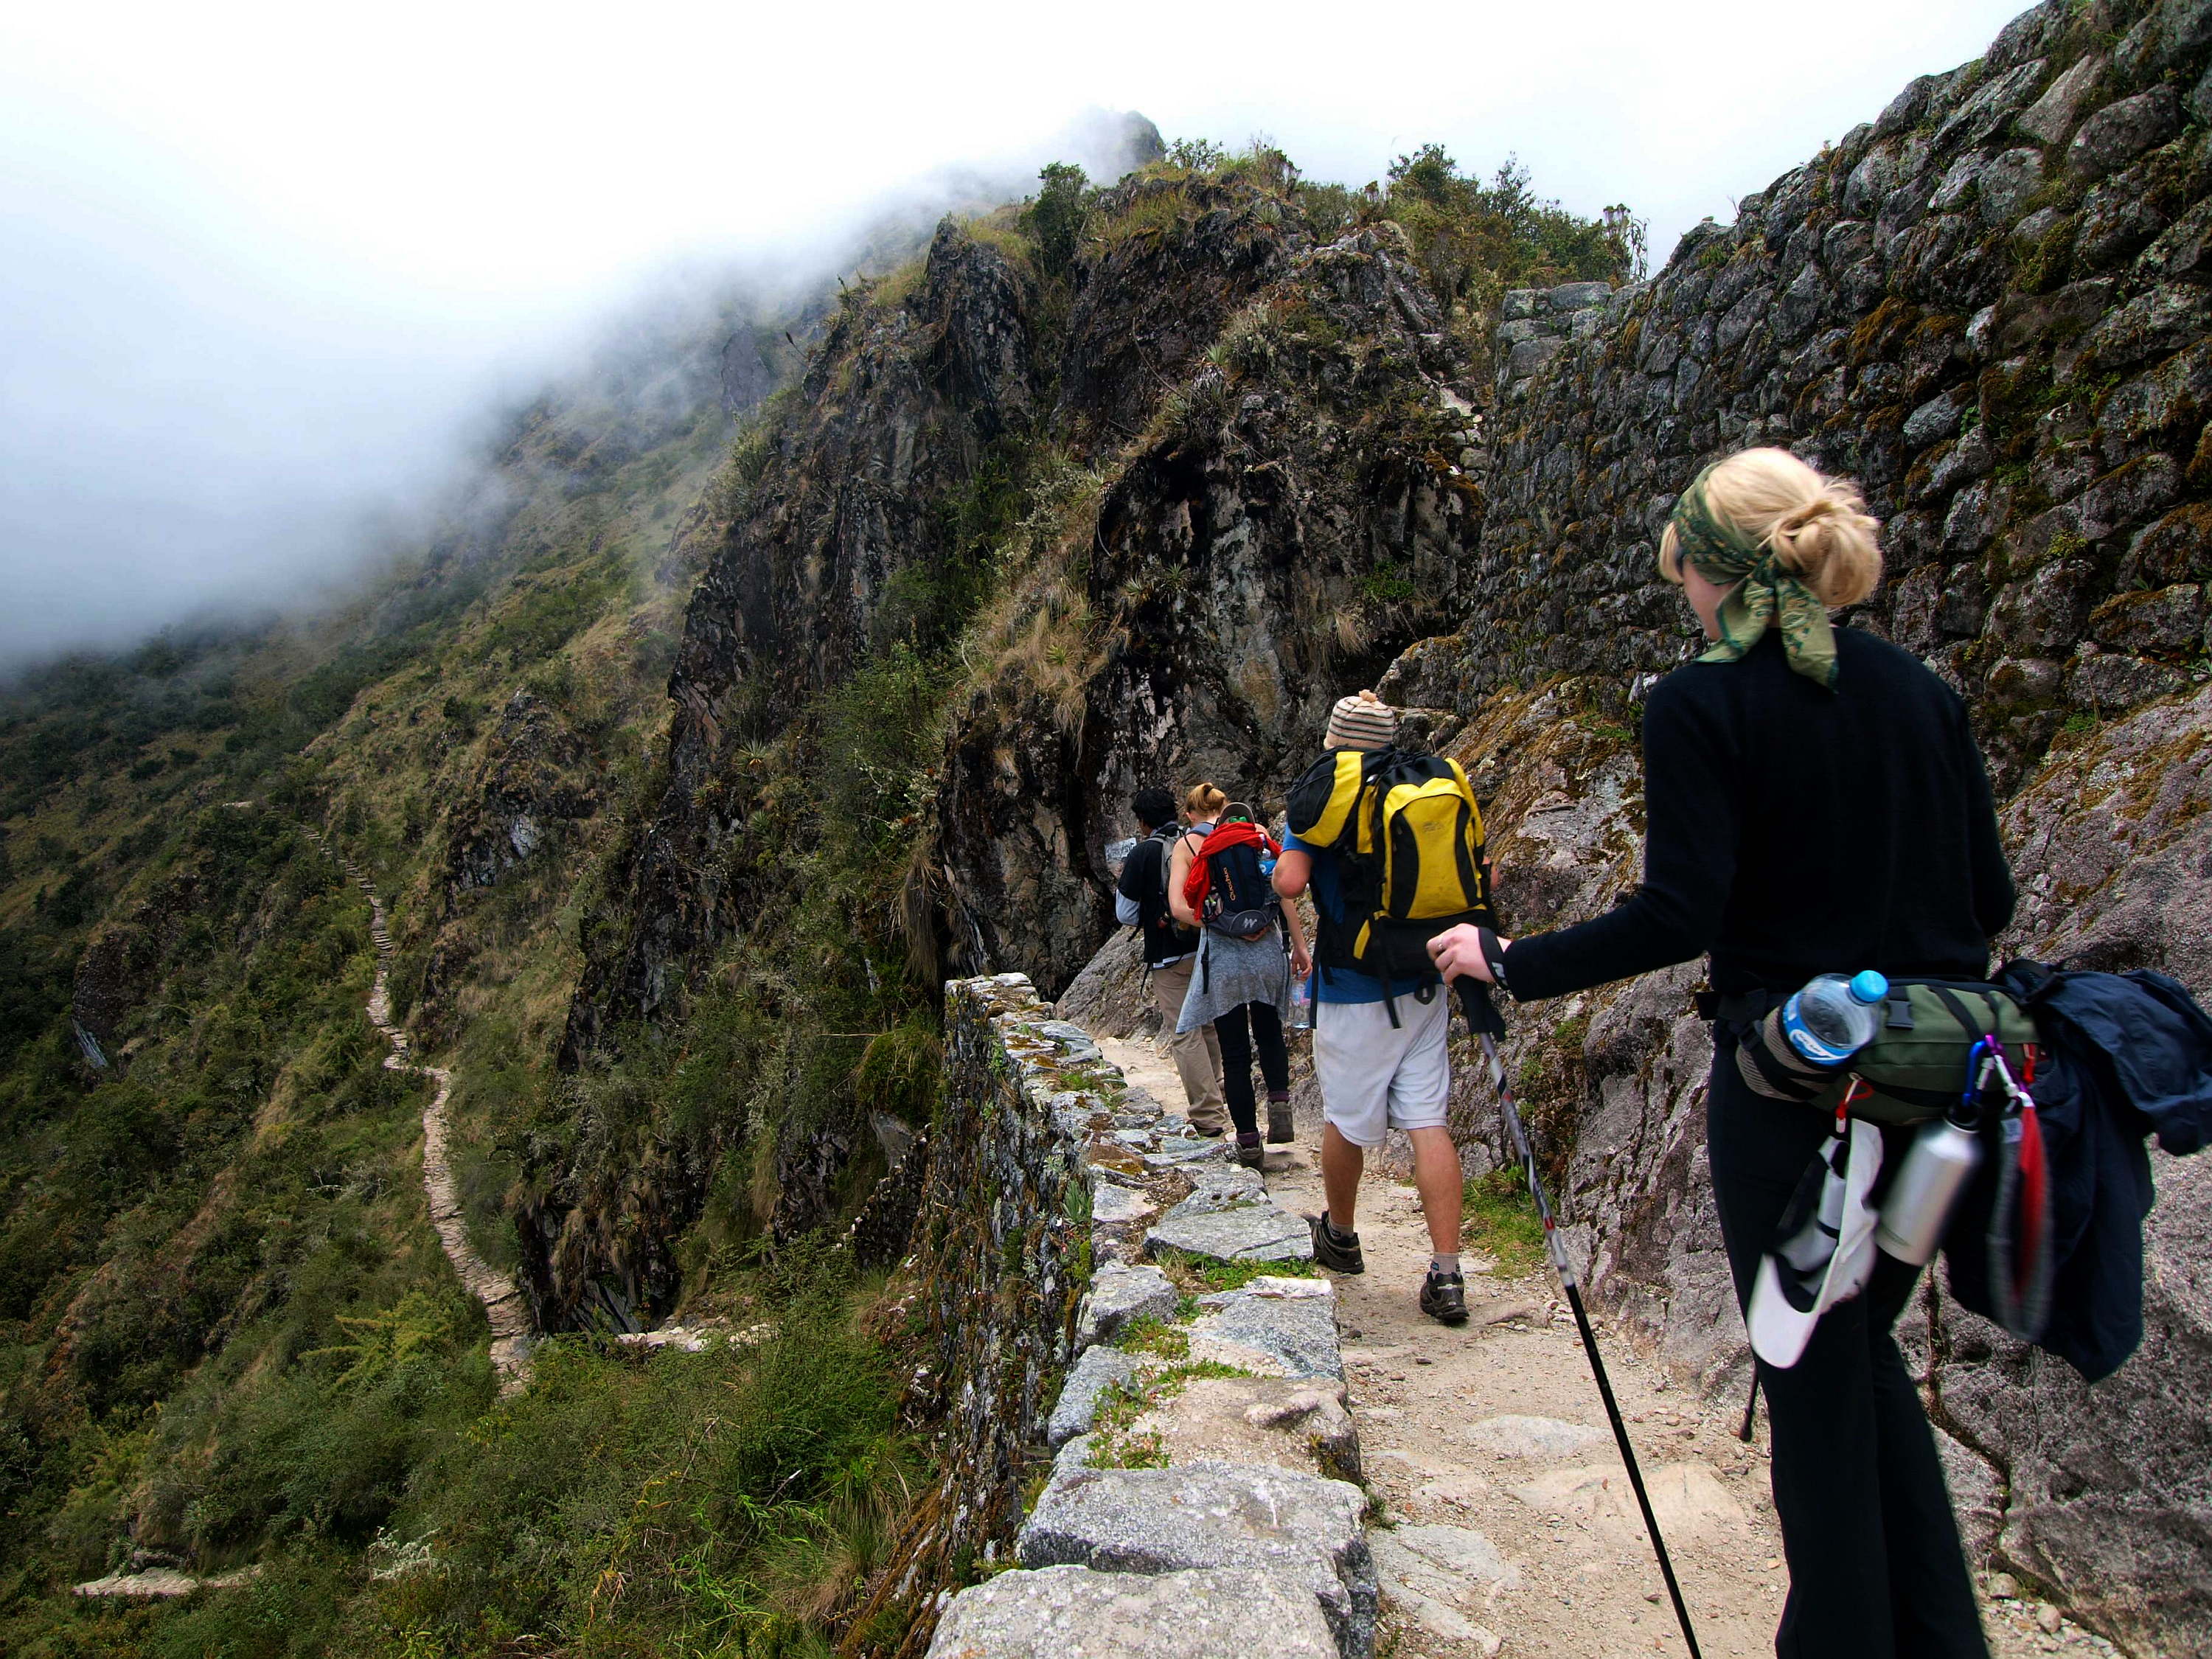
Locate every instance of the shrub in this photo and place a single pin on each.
(1055, 218)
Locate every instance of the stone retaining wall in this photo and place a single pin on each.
(1989, 305)
(1172, 1466)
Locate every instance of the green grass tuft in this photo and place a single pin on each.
(1501, 1221)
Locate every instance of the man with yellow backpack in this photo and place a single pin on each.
(1391, 845)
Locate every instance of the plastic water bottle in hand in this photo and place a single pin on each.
(1302, 1002)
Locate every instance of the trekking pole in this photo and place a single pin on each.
(1483, 1019)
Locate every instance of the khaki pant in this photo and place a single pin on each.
(1197, 1054)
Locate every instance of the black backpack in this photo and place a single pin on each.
(1165, 938)
(1239, 901)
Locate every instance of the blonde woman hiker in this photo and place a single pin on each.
(1140, 900)
(1814, 802)
(1248, 944)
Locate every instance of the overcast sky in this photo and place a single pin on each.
(261, 265)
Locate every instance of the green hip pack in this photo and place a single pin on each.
(1914, 1070)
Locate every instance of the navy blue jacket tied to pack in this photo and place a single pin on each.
(2126, 1056)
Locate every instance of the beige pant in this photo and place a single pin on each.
(1197, 1054)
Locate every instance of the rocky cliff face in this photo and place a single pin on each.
(1299, 511)
(1291, 513)
(1988, 307)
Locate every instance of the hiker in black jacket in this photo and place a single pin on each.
(1814, 802)
(1140, 900)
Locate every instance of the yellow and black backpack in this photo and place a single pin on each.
(1409, 838)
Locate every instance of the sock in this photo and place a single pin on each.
(1442, 1261)
(1337, 1232)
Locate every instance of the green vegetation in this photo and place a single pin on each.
(231, 1337)
(1501, 1221)
(1197, 1273)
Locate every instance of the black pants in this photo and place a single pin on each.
(1237, 1041)
(1875, 1568)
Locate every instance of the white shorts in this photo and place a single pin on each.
(1376, 1076)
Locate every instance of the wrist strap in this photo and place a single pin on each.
(1493, 955)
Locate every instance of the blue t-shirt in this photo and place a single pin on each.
(1341, 984)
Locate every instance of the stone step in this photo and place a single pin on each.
(1074, 1612)
(1264, 1232)
(1215, 1515)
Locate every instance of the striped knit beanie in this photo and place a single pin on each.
(1362, 722)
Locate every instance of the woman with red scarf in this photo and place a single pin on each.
(1243, 981)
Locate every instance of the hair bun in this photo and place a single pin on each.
(1817, 525)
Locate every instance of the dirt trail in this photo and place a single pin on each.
(1497, 1427)
(504, 1305)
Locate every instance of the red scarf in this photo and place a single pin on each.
(1200, 878)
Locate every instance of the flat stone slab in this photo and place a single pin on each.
(1077, 1046)
(1293, 1423)
(1247, 1232)
(1118, 1298)
(1175, 1152)
(1221, 1186)
(1534, 1437)
(1451, 1555)
(1096, 1370)
(1215, 1515)
(1688, 1499)
(1073, 1612)
(1114, 1205)
(1271, 1328)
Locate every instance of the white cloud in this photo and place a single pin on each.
(257, 260)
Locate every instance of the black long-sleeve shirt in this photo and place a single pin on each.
(1791, 830)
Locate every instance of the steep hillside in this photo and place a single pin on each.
(232, 1332)
(237, 1345)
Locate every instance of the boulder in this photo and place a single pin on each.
(1074, 1612)
(1215, 1515)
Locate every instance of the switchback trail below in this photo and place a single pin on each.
(1497, 1429)
(504, 1305)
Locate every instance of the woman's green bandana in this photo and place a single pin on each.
(1764, 590)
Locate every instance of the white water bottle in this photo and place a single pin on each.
(1302, 1002)
(1919, 1203)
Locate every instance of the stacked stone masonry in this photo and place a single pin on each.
(1989, 307)
(1189, 1456)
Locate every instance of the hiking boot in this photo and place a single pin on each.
(1337, 1252)
(1249, 1152)
(1443, 1298)
(1212, 1124)
(1280, 1130)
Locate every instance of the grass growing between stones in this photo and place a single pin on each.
(1197, 1276)
(1117, 1444)
(1501, 1222)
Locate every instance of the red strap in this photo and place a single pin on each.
(1196, 885)
(2034, 1188)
